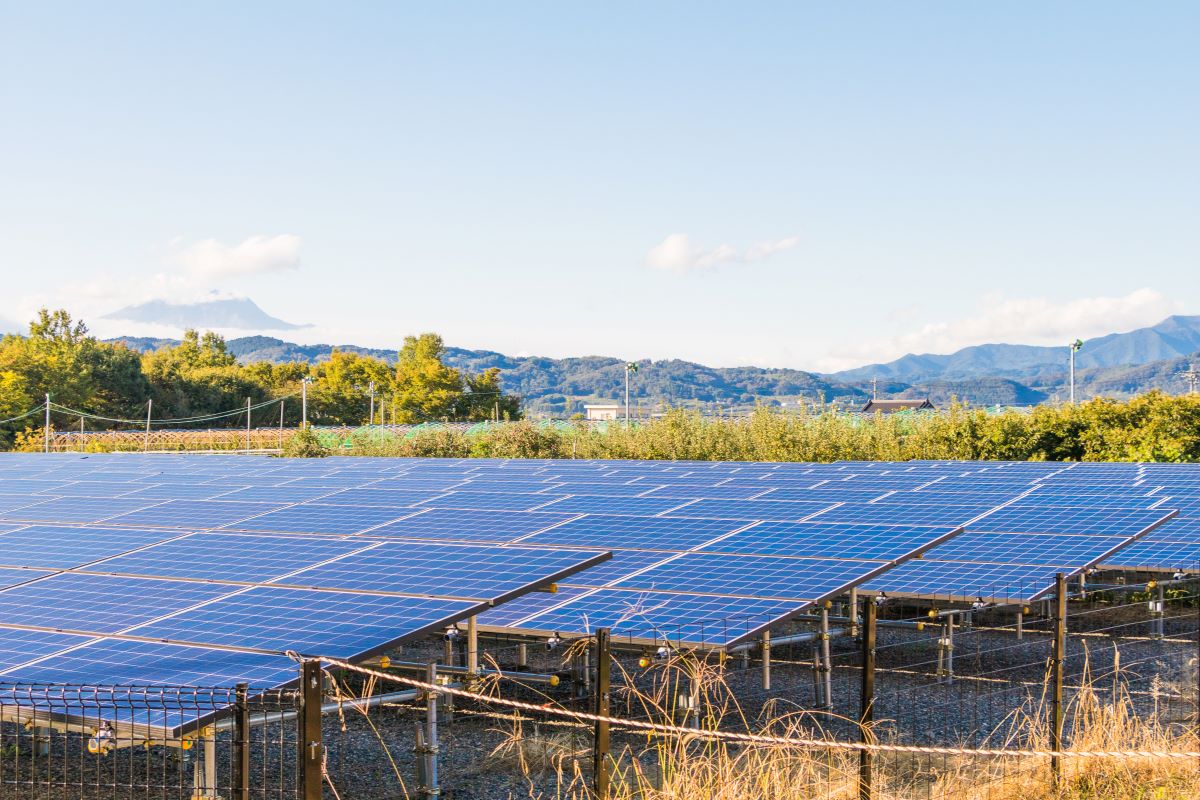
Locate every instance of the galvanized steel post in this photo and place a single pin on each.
(601, 741)
(312, 754)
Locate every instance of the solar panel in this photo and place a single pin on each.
(19, 646)
(78, 509)
(831, 540)
(317, 518)
(657, 533)
(193, 514)
(1166, 556)
(436, 568)
(467, 525)
(1026, 548)
(1061, 519)
(750, 510)
(312, 622)
(497, 501)
(64, 547)
(634, 506)
(888, 513)
(98, 603)
(992, 582)
(657, 616)
(250, 558)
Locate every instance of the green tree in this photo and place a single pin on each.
(341, 393)
(425, 388)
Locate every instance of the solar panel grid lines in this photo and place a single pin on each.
(78, 509)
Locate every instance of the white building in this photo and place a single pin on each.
(604, 412)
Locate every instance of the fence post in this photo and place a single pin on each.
(428, 743)
(600, 749)
(241, 745)
(311, 747)
(1060, 649)
(866, 698)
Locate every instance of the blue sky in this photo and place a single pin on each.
(795, 184)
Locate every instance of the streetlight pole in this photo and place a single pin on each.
(629, 367)
(304, 401)
(1075, 345)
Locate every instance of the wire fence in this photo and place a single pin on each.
(907, 699)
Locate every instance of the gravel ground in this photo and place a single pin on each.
(372, 756)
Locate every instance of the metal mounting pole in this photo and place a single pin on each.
(1160, 612)
(826, 662)
(1059, 657)
(866, 714)
(472, 649)
(522, 657)
(766, 661)
(429, 751)
(311, 748)
(601, 742)
(241, 745)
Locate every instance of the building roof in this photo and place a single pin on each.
(889, 406)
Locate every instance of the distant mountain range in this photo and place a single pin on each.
(236, 313)
(1172, 338)
(1119, 364)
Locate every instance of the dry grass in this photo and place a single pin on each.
(692, 768)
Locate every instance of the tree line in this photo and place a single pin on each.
(199, 377)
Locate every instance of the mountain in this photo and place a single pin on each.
(559, 387)
(1174, 337)
(985, 375)
(236, 313)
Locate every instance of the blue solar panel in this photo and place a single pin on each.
(887, 513)
(335, 624)
(494, 501)
(750, 510)
(829, 540)
(77, 509)
(98, 603)
(1157, 555)
(508, 614)
(636, 506)
(950, 579)
(467, 525)
(276, 494)
(658, 533)
(13, 577)
(657, 616)
(826, 494)
(1026, 548)
(95, 489)
(250, 558)
(621, 565)
(179, 491)
(316, 518)
(386, 498)
(194, 514)
(438, 569)
(749, 576)
(19, 646)
(1061, 519)
(64, 547)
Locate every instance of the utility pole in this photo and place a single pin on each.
(247, 424)
(146, 439)
(1192, 376)
(874, 388)
(629, 367)
(371, 389)
(47, 431)
(1075, 346)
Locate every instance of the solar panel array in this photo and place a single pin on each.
(704, 553)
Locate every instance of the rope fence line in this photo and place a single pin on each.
(746, 738)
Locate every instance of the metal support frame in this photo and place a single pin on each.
(1160, 612)
(866, 714)
(312, 755)
(522, 657)
(601, 741)
(1058, 659)
(472, 650)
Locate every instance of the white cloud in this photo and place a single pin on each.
(1031, 320)
(677, 254)
(208, 259)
